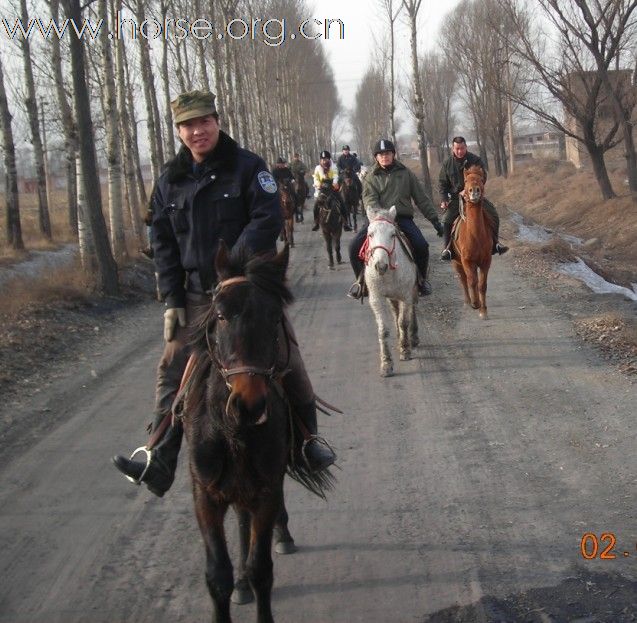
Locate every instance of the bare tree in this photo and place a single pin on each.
(31, 105)
(562, 67)
(370, 117)
(14, 229)
(608, 30)
(391, 14)
(106, 266)
(113, 147)
(412, 7)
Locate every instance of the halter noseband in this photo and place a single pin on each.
(369, 250)
(268, 373)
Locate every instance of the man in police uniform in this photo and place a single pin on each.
(212, 190)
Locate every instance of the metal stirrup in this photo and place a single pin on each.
(148, 453)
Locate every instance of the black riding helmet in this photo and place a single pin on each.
(326, 154)
(384, 144)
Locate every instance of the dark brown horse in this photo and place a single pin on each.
(350, 195)
(472, 241)
(330, 221)
(287, 199)
(239, 431)
(300, 193)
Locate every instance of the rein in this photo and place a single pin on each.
(367, 250)
(268, 373)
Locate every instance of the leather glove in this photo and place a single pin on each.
(171, 316)
(316, 193)
(439, 228)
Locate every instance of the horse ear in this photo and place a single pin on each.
(392, 213)
(222, 260)
(369, 210)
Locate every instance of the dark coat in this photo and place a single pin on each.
(232, 197)
(451, 178)
(348, 162)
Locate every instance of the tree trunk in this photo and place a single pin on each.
(418, 100)
(128, 145)
(84, 235)
(68, 125)
(14, 229)
(106, 266)
(596, 154)
(113, 154)
(150, 98)
(32, 114)
(168, 118)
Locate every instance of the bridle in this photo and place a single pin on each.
(369, 250)
(267, 373)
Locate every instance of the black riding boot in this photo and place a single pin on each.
(446, 231)
(422, 262)
(158, 472)
(317, 454)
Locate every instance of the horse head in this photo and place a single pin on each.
(474, 180)
(241, 329)
(381, 238)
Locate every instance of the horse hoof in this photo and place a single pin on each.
(242, 596)
(484, 315)
(331, 267)
(285, 547)
(415, 341)
(385, 372)
(405, 355)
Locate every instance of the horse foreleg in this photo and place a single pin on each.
(462, 276)
(259, 564)
(482, 292)
(219, 576)
(242, 593)
(404, 317)
(337, 244)
(290, 231)
(471, 270)
(328, 245)
(283, 541)
(413, 327)
(377, 303)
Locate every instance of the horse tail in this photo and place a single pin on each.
(318, 483)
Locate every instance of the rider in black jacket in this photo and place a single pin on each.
(213, 190)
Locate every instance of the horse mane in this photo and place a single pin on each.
(474, 169)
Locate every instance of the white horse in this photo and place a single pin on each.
(390, 275)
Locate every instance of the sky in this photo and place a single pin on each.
(364, 22)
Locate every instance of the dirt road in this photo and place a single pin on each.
(467, 480)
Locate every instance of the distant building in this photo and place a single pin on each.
(539, 143)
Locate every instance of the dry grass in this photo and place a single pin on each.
(558, 196)
(69, 284)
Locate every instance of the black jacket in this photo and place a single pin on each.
(348, 162)
(232, 197)
(451, 178)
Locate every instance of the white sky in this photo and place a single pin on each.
(364, 21)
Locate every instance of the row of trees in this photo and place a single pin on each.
(558, 61)
(108, 101)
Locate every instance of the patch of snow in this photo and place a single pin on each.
(580, 270)
(38, 262)
(537, 233)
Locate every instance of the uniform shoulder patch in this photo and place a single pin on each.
(267, 182)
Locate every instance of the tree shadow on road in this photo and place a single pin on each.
(583, 597)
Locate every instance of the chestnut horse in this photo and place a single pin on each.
(287, 199)
(239, 431)
(473, 240)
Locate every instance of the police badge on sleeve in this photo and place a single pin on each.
(267, 182)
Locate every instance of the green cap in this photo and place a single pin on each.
(193, 104)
